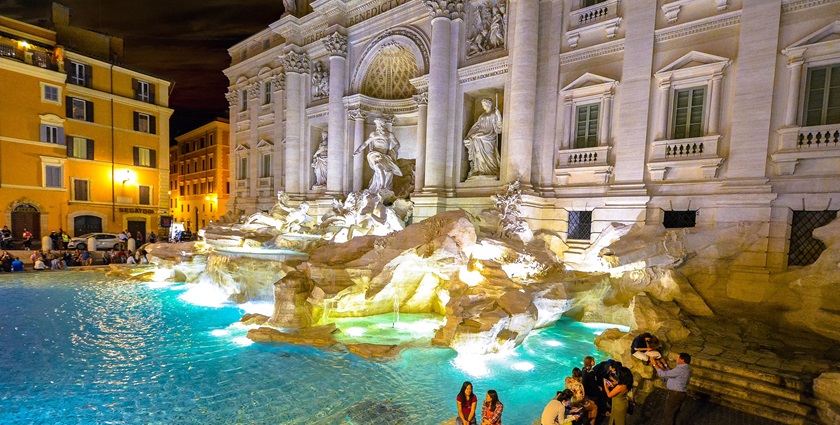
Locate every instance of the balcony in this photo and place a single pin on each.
(800, 143)
(585, 165)
(603, 15)
(685, 159)
(41, 59)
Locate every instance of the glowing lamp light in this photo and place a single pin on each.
(23, 45)
(127, 177)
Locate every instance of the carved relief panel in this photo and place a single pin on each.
(487, 27)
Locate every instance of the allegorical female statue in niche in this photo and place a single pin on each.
(319, 162)
(482, 142)
(382, 157)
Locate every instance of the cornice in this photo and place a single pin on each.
(701, 25)
(592, 51)
(71, 89)
(483, 70)
(794, 5)
(32, 71)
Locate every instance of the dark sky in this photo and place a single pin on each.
(184, 41)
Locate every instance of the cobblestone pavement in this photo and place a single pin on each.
(693, 412)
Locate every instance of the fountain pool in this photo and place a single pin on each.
(83, 348)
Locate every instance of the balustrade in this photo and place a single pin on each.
(591, 14)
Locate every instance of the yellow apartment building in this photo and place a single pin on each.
(81, 136)
(199, 183)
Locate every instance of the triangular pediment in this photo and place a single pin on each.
(826, 34)
(241, 147)
(694, 59)
(588, 79)
(264, 143)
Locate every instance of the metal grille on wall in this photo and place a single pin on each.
(679, 219)
(580, 224)
(804, 248)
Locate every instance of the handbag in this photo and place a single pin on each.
(631, 407)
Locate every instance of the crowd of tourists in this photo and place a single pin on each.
(597, 394)
(64, 259)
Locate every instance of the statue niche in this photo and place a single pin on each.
(389, 72)
(482, 143)
(319, 162)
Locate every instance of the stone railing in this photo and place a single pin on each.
(797, 143)
(591, 14)
(584, 157)
(691, 148)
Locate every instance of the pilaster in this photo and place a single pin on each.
(336, 45)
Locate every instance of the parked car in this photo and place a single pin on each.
(103, 241)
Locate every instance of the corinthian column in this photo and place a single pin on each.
(442, 12)
(295, 64)
(523, 93)
(358, 116)
(422, 100)
(336, 45)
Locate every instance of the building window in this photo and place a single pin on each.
(586, 127)
(81, 148)
(79, 74)
(679, 219)
(804, 248)
(195, 188)
(185, 148)
(203, 165)
(182, 207)
(587, 3)
(144, 91)
(822, 104)
(201, 143)
(51, 93)
(145, 157)
(211, 162)
(243, 100)
(79, 109)
(242, 168)
(267, 93)
(203, 188)
(211, 140)
(265, 168)
(188, 207)
(53, 173)
(145, 123)
(52, 134)
(688, 112)
(145, 195)
(81, 190)
(580, 225)
(211, 186)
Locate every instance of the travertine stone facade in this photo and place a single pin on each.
(619, 111)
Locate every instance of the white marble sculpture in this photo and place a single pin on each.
(482, 142)
(488, 29)
(383, 148)
(281, 217)
(506, 206)
(319, 162)
(290, 6)
(361, 213)
(320, 81)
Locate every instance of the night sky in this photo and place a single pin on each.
(184, 41)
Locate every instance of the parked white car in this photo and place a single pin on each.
(103, 241)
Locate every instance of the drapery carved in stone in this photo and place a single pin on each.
(488, 27)
(295, 62)
(336, 44)
(320, 81)
(452, 9)
(389, 73)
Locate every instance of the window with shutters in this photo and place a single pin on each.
(145, 195)
(80, 147)
(78, 109)
(145, 123)
(144, 157)
(242, 169)
(265, 167)
(52, 172)
(50, 133)
(79, 74)
(586, 126)
(267, 93)
(688, 112)
(144, 92)
(822, 101)
(81, 190)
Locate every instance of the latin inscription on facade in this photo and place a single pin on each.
(380, 8)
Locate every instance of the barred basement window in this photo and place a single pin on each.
(804, 248)
(580, 224)
(679, 219)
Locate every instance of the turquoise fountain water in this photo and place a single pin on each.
(81, 348)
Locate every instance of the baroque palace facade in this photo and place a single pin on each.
(83, 140)
(675, 112)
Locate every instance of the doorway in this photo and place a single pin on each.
(26, 216)
(85, 224)
(135, 226)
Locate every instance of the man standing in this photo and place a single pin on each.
(678, 379)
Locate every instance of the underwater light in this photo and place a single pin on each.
(523, 366)
(355, 331)
(243, 341)
(553, 343)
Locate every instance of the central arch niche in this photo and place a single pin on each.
(389, 61)
(389, 72)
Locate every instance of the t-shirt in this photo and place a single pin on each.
(554, 411)
(466, 408)
(39, 265)
(638, 342)
(17, 266)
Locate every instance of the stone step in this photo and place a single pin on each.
(793, 382)
(748, 383)
(727, 390)
(756, 408)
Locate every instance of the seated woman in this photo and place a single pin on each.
(645, 347)
(466, 405)
(491, 411)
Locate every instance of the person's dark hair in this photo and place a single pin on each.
(577, 373)
(463, 395)
(686, 357)
(625, 377)
(646, 335)
(564, 395)
(494, 398)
